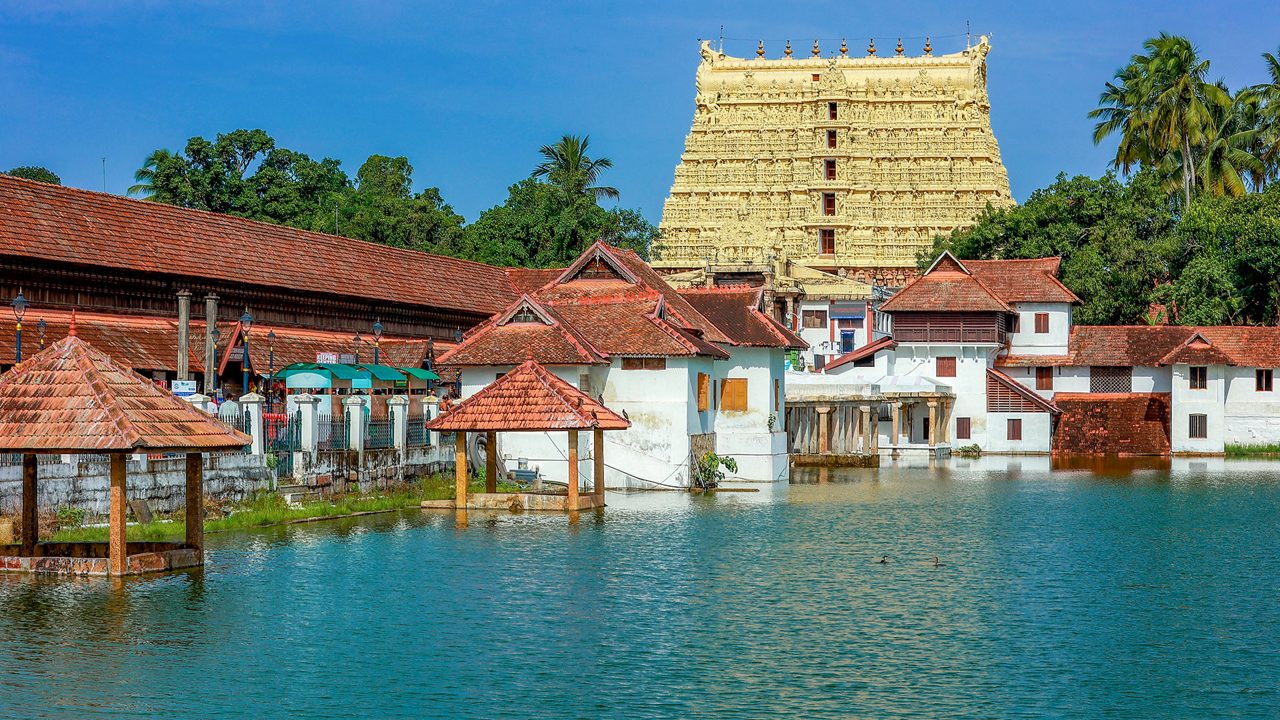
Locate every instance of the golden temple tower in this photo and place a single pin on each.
(849, 165)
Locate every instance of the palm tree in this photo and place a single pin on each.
(1266, 99)
(1226, 160)
(567, 166)
(144, 177)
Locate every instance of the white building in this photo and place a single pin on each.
(694, 372)
(998, 334)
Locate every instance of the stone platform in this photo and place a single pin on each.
(91, 558)
(517, 502)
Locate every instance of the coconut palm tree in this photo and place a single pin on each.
(1266, 100)
(1227, 159)
(567, 166)
(144, 177)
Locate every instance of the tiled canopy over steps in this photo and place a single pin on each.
(1115, 423)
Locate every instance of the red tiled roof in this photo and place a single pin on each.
(499, 341)
(529, 398)
(529, 280)
(1157, 345)
(945, 290)
(1017, 281)
(136, 341)
(299, 345)
(73, 398)
(1032, 360)
(61, 224)
(735, 310)
(634, 328)
(1196, 350)
(1112, 423)
(884, 343)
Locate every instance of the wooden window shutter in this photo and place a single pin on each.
(777, 394)
(733, 394)
(945, 367)
(964, 428)
(1044, 378)
(1042, 323)
(1199, 426)
(704, 391)
(1015, 429)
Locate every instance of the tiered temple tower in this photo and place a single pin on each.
(849, 165)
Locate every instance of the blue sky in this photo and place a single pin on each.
(469, 90)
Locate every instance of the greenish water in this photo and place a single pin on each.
(1103, 594)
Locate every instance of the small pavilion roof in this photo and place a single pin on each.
(71, 398)
(529, 397)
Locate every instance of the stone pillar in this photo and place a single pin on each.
(184, 334)
(210, 350)
(30, 508)
(429, 411)
(308, 416)
(573, 470)
(895, 422)
(933, 423)
(398, 411)
(868, 431)
(117, 545)
(598, 475)
(460, 469)
(944, 425)
(353, 407)
(824, 429)
(251, 407)
(201, 402)
(195, 501)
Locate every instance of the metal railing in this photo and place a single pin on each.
(378, 434)
(331, 433)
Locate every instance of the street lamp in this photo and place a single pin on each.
(246, 322)
(40, 328)
(271, 363)
(356, 341)
(377, 341)
(19, 310)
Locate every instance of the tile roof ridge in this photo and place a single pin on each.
(721, 289)
(552, 384)
(991, 292)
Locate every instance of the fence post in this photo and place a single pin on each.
(200, 402)
(353, 407)
(398, 409)
(251, 407)
(308, 409)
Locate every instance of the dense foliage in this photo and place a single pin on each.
(1125, 248)
(35, 172)
(542, 223)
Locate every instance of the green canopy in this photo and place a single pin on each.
(384, 372)
(296, 368)
(344, 372)
(420, 374)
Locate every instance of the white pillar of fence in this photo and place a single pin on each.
(353, 406)
(202, 402)
(398, 412)
(429, 409)
(251, 406)
(308, 406)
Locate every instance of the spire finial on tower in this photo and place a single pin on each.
(844, 48)
(899, 46)
(871, 48)
(71, 331)
(787, 50)
(816, 51)
(928, 48)
(760, 49)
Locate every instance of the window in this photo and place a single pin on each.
(1015, 323)
(1109, 379)
(828, 203)
(945, 367)
(1263, 379)
(704, 392)
(1198, 426)
(827, 241)
(849, 323)
(831, 139)
(1042, 323)
(1014, 428)
(924, 432)
(816, 77)
(635, 363)
(829, 169)
(1044, 378)
(964, 428)
(525, 315)
(833, 111)
(733, 394)
(868, 361)
(813, 319)
(1199, 377)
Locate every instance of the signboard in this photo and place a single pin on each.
(237, 354)
(347, 359)
(327, 358)
(183, 388)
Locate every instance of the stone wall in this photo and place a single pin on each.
(83, 481)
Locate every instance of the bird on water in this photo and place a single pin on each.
(883, 559)
(937, 562)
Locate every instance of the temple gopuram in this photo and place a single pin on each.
(844, 165)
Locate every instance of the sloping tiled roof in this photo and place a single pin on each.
(945, 291)
(884, 343)
(1157, 345)
(529, 398)
(736, 312)
(1016, 281)
(60, 224)
(981, 286)
(73, 398)
(1112, 423)
(136, 341)
(295, 345)
(500, 341)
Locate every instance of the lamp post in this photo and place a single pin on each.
(40, 328)
(356, 342)
(214, 335)
(19, 310)
(377, 341)
(271, 364)
(246, 322)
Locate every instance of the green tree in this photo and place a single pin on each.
(1203, 294)
(382, 208)
(36, 172)
(567, 166)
